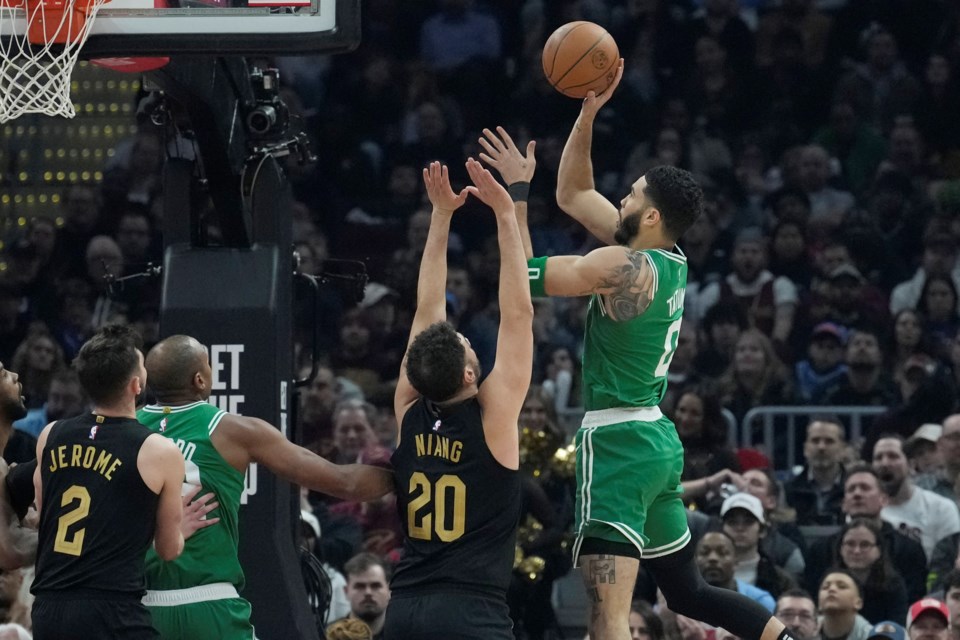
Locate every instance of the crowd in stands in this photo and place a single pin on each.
(824, 271)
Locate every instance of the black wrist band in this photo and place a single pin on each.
(519, 191)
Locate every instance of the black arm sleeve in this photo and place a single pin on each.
(19, 485)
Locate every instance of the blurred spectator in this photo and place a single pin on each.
(864, 499)
(359, 358)
(784, 542)
(840, 601)
(354, 441)
(907, 154)
(866, 382)
(817, 491)
(104, 263)
(887, 630)
(742, 517)
(716, 555)
(939, 258)
(645, 624)
(561, 380)
(37, 360)
(720, 329)
(943, 478)
(861, 550)
(457, 34)
(927, 396)
(81, 221)
(137, 179)
(719, 19)
(13, 325)
(788, 253)
(797, 610)
(938, 304)
(65, 399)
(923, 456)
(928, 619)
(769, 302)
(824, 363)
(882, 87)
(789, 88)
(717, 93)
(910, 340)
(368, 589)
(827, 203)
(859, 147)
(802, 15)
(756, 377)
(940, 95)
(921, 514)
(317, 402)
(703, 433)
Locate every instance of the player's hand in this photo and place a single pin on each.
(504, 156)
(487, 189)
(195, 512)
(593, 102)
(436, 177)
(690, 629)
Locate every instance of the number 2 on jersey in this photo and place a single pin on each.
(73, 546)
(669, 347)
(422, 526)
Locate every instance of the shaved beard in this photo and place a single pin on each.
(628, 230)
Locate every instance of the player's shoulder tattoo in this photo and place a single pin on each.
(630, 285)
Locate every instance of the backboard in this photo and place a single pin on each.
(219, 27)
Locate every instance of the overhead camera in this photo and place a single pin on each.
(268, 117)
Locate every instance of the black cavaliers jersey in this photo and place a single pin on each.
(98, 517)
(459, 507)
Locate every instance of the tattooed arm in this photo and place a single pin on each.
(622, 276)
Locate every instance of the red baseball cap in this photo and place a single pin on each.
(920, 607)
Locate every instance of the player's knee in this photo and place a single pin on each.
(684, 599)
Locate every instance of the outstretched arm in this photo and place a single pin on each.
(576, 192)
(502, 393)
(516, 170)
(242, 439)
(622, 276)
(432, 284)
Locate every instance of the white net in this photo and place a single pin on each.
(35, 76)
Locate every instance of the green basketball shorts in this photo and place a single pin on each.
(198, 614)
(629, 463)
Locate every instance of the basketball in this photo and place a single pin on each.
(580, 57)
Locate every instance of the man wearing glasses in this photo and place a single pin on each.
(798, 612)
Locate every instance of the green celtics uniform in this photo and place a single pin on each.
(196, 595)
(629, 457)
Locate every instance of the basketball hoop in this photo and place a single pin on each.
(36, 62)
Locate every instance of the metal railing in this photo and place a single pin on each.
(743, 434)
(768, 415)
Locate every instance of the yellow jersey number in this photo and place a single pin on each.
(74, 545)
(433, 501)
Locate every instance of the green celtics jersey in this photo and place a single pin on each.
(625, 363)
(210, 555)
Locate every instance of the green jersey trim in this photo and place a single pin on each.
(159, 408)
(215, 421)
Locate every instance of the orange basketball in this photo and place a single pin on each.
(580, 57)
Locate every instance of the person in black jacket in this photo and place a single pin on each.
(863, 498)
(817, 491)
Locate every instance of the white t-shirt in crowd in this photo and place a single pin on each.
(926, 517)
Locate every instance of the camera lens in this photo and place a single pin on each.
(262, 119)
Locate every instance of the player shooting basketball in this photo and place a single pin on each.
(625, 446)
